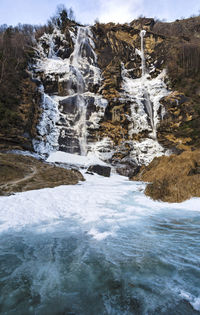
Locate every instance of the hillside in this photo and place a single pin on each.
(127, 93)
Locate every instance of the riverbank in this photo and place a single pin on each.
(173, 178)
(20, 173)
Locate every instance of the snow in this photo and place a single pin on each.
(145, 151)
(74, 159)
(194, 301)
(98, 201)
(51, 66)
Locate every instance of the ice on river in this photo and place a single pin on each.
(101, 200)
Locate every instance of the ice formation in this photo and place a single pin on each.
(65, 117)
(73, 110)
(145, 94)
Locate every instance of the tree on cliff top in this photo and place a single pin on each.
(62, 17)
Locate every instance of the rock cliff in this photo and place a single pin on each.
(127, 92)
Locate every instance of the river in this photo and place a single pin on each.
(100, 247)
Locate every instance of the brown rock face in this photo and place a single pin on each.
(173, 178)
(18, 133)
(180, 128)
(21, 173)
(174, 46)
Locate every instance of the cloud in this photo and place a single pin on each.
(119, 10)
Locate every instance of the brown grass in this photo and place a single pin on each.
(172, 178)
(21, 173)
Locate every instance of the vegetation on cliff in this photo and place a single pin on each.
(174, 46)
(177, 44)
(19, 96)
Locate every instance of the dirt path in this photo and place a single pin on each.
(21, 180)
(29, 176)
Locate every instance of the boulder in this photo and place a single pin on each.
(100, 170)
(128, 170)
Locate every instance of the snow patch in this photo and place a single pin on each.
(74, 159)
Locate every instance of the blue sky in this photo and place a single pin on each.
(86, 11)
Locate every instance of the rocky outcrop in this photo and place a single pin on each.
(179, 129)
(21, 173)
(18, 132)
(126, 92)
(174, 46)
(172, 178)
(100, 170)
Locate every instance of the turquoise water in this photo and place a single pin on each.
(150, 264)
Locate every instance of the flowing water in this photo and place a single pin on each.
(100, 247)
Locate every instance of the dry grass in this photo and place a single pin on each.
(22, 173)
(172, 178)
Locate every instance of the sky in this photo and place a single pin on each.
(13, 12)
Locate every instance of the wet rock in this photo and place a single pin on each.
(69, 105)
(128, 170)
(68, 141)
(100, 170)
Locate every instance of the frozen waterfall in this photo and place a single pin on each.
(145, 94)
(142, 34)
(66, 115)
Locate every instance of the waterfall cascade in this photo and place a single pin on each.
(68, 112)
(145, 94)
(147, 102)
(72, 107)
